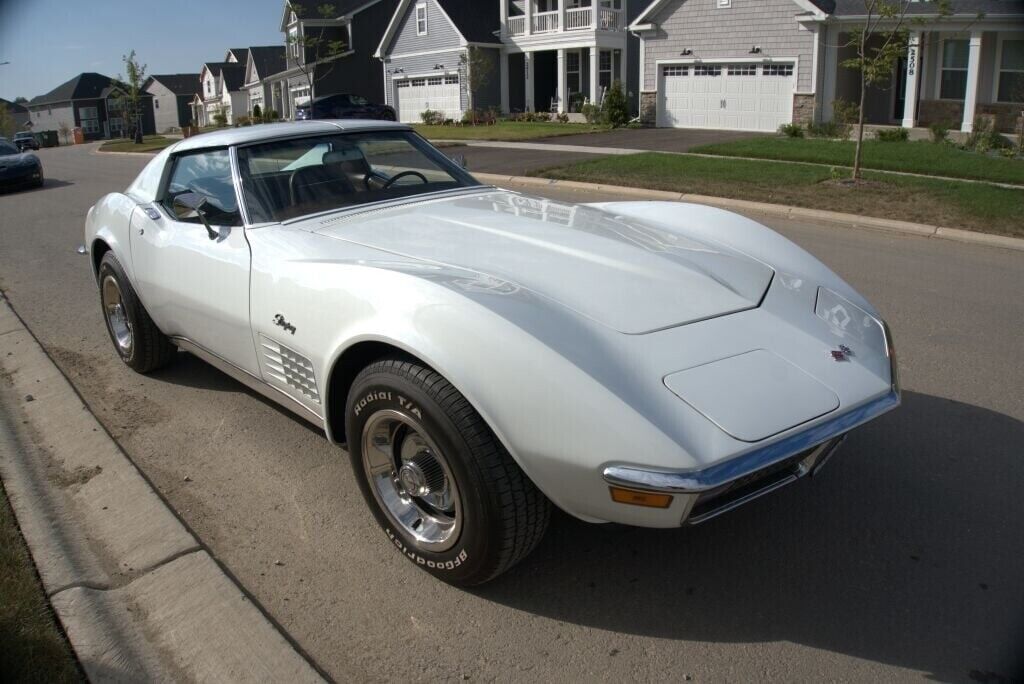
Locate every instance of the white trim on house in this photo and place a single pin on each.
(421, 5)
(643, 21)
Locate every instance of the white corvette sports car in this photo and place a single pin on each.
(485, 354)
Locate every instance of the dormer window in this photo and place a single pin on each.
(421, 19)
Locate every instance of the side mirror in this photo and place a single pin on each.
(461, 161)
(189, 206)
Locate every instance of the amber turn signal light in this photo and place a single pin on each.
(650, 499)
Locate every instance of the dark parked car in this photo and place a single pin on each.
(19, 168)
(344, 106)
(26, 141)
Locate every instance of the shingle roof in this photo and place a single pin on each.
(179, 84)
(84, 86)
(476, 21)
(13, 107)
(234, 75)
(990, 8)
(268, 60)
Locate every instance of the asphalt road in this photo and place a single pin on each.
(904, 560)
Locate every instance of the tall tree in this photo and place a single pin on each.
(7, 126)
(879, 43)
(21, 100)
(129, 98)
(319, 43)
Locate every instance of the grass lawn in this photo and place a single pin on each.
(914, 157)
(952, 204)
(506, 130)
(150, 143)
(33, 648)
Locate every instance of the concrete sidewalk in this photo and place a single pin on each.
(140, 598)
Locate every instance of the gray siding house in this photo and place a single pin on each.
(547, 55)
(172, 97)
(757, 64)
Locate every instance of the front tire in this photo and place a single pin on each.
(443, 488)
(137, 340)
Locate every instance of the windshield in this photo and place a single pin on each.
(22, 136)
(287, 179)
(7, 148)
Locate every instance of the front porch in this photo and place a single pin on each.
(562, 80)
(528, 17)
(948, 77)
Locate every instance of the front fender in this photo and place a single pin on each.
(109, 221)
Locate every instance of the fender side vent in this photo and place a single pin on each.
(289, 367)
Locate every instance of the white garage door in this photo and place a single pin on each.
(438, 93)
(743, 97)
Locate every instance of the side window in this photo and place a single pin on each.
(207, 174)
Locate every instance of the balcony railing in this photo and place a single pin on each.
(576, 19)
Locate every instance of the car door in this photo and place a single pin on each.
(194, 281)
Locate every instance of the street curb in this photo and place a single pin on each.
(774, 210)
(139, 596)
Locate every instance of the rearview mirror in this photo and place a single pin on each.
(188, 206)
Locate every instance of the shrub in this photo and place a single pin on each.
(563, 118)
(243, 120)
(593, 114)
(616, 108)
(791, 130)
(543, 116)
(257, 113)
(476, 117)
(825, 129)
(220, 118)
(270, 116)
(899, 134)
(984, 137)
(845, 114)
(939, 131)
(432, 117)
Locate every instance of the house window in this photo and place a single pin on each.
(293, 41)
(90, 125)
(742, 70)
(417, 82)
(707, 70)
(421, 20)
(1011, 72)
(156, 104)
(435, 80)
(604, 69)
(572, 72)
(723, 4)
(402, 84)
(451, 80)
(953, 80)
(87, 113)
(777, 70)
(677, 71)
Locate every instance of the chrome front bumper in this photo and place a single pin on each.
(727, 485)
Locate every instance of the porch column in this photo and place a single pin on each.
(561, 14)
(913, 79)
(593, 72)
(563, 97)
(623, 70)
(503, 83)
(503, 19)
(973, 71)
(830, 68)
(529, 17)
(527, 69)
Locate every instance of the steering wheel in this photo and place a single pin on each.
(391, 181)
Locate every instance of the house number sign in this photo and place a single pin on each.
(911, 60)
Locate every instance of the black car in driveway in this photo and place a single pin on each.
(25, 141)
(344, 106)
(19, 168)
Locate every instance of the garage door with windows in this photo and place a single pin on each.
(742, 97)
(414, 96)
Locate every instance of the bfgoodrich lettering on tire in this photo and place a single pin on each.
(445, 491)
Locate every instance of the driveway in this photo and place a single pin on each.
(902, 561)
(653, 139)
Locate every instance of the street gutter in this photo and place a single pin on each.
(139, 596)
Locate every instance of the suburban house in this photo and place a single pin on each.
(19, 113)
(546, 55)
(754, 65)
(263, 64)
(220, 91)
(89, 101)
(358, 24)
(172, 98)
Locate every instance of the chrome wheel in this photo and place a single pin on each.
(117, 317)
(411, 480)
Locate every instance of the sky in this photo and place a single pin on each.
(48, 42)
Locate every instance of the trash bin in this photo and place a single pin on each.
(47, 138)
(79, 135)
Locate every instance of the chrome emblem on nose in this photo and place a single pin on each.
(843, 353)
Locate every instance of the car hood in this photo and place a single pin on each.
(620, 272)
(18, 159)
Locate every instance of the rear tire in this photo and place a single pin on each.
(137, 340)
(442, 487)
